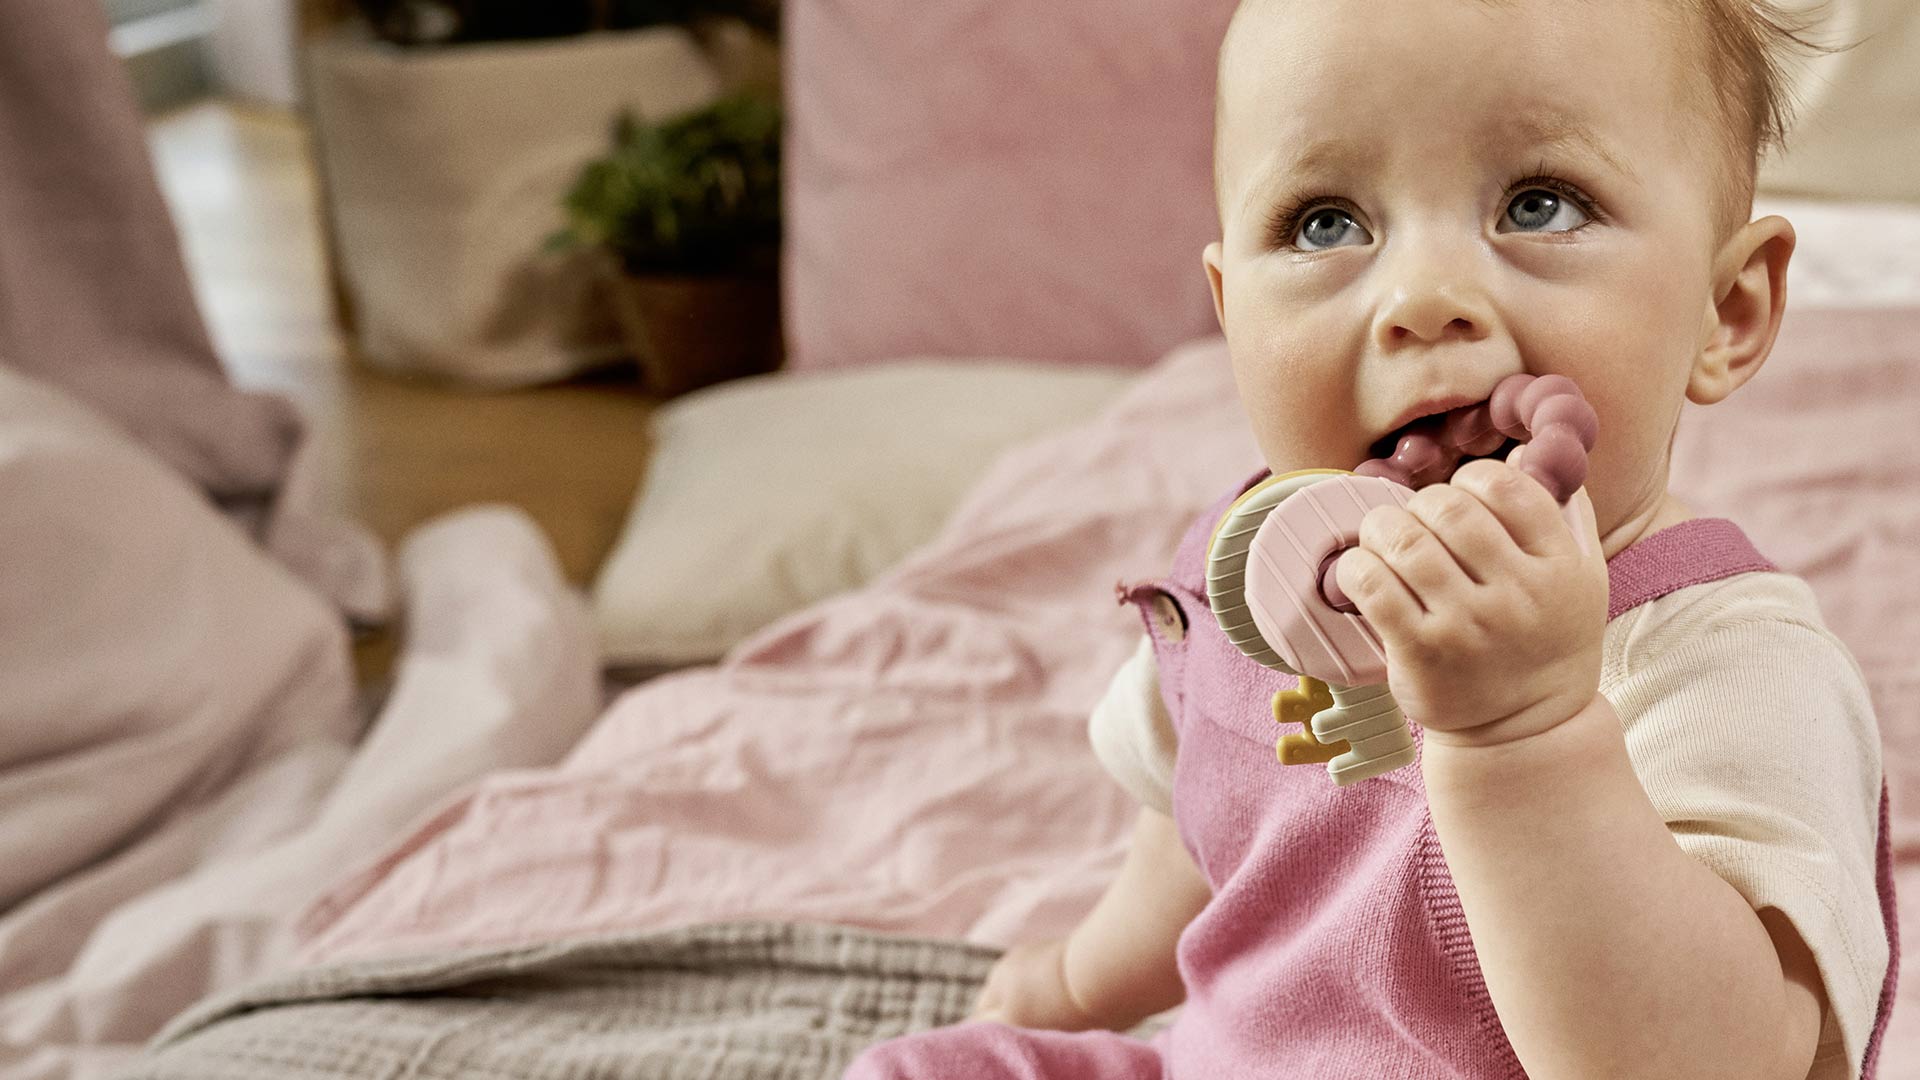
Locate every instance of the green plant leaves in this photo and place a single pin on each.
(695, 194)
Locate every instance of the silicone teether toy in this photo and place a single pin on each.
(1271, 577)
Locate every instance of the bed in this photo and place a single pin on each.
(755, 867)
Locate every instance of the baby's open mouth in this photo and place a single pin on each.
(1430, 449)
(1558, 425)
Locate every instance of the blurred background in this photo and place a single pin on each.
(478, 472)
(478, 243)
(372, 197)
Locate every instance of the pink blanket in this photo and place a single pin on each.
(912, 757)
(909, 757)
(183, 766)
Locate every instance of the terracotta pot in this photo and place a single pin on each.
(689, 331)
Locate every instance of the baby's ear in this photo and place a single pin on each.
(1750, 293)
(1211, 257)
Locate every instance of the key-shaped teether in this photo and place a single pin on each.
(1359, 729)
(1271, 578)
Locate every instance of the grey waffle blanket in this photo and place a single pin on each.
(736, 1001)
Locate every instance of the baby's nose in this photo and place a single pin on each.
(1429, 311)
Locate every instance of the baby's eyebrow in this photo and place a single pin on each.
(1558, 131)
(1320, 157)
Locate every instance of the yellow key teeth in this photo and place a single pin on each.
(1305, 750)
(1298, 706)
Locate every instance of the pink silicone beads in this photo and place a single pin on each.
(1547, 412)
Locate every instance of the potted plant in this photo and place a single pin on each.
(447, 133)
(685, 214)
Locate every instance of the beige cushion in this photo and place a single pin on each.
(766, 494)
(1858, 132)
(444, 172)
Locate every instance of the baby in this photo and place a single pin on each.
(1642, 833)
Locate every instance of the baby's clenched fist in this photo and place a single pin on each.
(1491, 609)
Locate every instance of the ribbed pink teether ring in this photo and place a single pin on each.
(1285, 564)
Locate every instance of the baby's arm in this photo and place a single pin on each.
(1117, 967)
(1607, 949)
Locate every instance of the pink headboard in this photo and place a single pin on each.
(1014, 178)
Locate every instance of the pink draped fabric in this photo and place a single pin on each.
(94, 298)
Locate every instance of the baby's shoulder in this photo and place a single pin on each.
(1750, 646)
(1735, 612)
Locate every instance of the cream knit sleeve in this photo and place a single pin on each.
(1749, 725)
(1132, 734)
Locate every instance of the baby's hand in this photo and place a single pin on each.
(1490, 611)
(1028, 988)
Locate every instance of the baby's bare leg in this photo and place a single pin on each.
(1117, 967)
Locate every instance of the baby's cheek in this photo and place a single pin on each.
(1300, 432)
(1636, 383)
(1296, 390)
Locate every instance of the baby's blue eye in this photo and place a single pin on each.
(1540, 210)
(1329, 227)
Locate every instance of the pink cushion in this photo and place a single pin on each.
(1014, 178)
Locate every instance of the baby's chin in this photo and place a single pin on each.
(1343, 463)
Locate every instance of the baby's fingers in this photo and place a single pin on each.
(1377, 591)
(1530, 515)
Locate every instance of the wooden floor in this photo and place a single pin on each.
(240, 181)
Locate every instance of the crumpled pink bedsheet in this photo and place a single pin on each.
(909, 757)
(912, 757)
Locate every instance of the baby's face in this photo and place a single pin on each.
(1421, 197)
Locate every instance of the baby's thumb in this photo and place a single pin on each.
(1585, 524)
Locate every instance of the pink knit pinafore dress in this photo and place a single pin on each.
(1334, 944)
